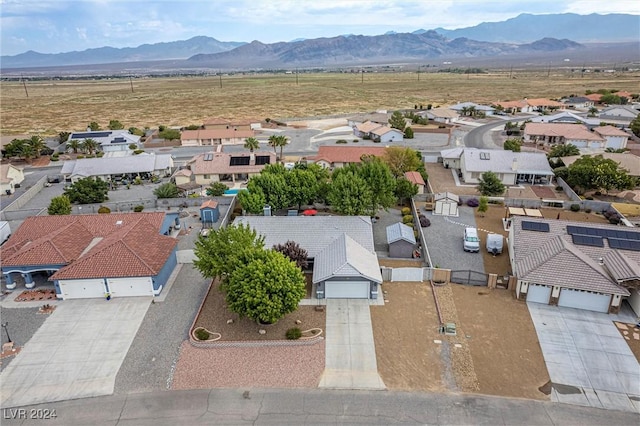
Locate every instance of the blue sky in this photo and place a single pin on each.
(52, 26)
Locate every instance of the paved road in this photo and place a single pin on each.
(480, 137)
(312, 406)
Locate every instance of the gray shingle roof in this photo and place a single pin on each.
(346, 258)
(551, 258)
(313, 233)
(502, 161)
(400, 231)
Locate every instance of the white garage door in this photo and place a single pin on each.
(584, 300)
(82, 289)
(346, 289)
(538, 293)
(122, 287)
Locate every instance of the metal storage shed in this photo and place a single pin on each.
(446, 204)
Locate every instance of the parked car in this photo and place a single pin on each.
(471, 242)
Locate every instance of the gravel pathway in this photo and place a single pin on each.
(261, 367)
(22, 324)
(152, 356)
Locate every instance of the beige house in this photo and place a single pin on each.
(224, 124)
(331, 157)
(209, 137)
(627, 160)
(563, 133)
(10, 176)
(208, 167)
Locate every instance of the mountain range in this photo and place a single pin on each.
(524, 34)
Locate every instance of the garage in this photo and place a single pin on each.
(580, 299)
(539, 293)
(138, 286)
(82, 289)
(347, 289)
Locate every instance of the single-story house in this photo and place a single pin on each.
(386, 134)
(111, 168)
(209, 212)
(363, 130)
(580, 102)
(626, 160)
(567, 117)
(109, 140)
(467, 108)
(332, 157)
(446, 204)
(511, 167)
(416, 179)
(618, 115)
(401, 240)
(614, 137)
(207, 137)
(574, 264)
(222, 123)
(441, 115)
(88, 256)
(211, 167)
(10, 176)
(451, 157)
(529, 105)
(562, 134)
(374, 117)
(340, 250)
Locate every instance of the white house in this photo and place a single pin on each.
(618, 115)
(386, 134)
(471, 106)
(207, 137)
(562, 134)
(10, 176)
(614, 137)
(579, 102)
(109, 140)
(107, 168)
(441, 115)
(511, 167)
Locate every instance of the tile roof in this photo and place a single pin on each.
(4, 172)
(626, 160)
(610, 131)
(92, 246)
(368, 126)
(220, 163)
(203, 134)
(511, 104)
(565, 130)
(313, 233)
(142, 163)
(621, 267)
(414, 177)
(210, 204)
(452, 152)
(346, 258)
(551, 258)
(504, 161)
(594, 97)
(383, 130)
(346, 154)
(400, 231)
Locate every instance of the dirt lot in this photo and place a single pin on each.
(506, 355)
(404, 330)
(214, 316)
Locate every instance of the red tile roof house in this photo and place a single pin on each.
(416, 179)
(89, 256)
(332, 157)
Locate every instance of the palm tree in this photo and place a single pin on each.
(277, 141)
(90, 145)
(251, 144)
(63, 136)
(37, 144)
(593, 111)
(27, 152)
(464, 111)
(74, 145)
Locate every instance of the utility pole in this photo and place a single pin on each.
(418, 72)
(548, 70)
(296, 76)
(24, 83)
(220, 75)
(131, 82)
(511, 72)
(362, 75)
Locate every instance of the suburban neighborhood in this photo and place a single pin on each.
(380, 250)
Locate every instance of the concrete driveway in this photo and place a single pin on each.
(350, 349)
(588, 360)
(76, 353)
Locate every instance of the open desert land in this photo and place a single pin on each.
(56, 105)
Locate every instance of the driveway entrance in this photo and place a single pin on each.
(76, 353)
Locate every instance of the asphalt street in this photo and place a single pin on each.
(308, 407)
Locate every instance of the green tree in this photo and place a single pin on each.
(483, 205)
(514, 145)
(405, 189)
(87, 191)
(59, 206)
(169, 134)
(302, 185)
(90, 146)
(27, 150)
(278, 141)
(566, 150)
(380, 181)
(63, 136)
(94, 126)
(635, 126)
(273, 186)
(225, 249)
(408, 133)
(266, 288)
(611, 99)
(251, 144)
(74, 145)
(593, 111)
(489, 185)
(167, 190)
(349, 194)
(596, 172)
(216, 189)
(252, 201)
(397, 121)
(14, 148)
(115, 125)
(401, 160)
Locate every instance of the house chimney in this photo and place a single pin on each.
(514, 164)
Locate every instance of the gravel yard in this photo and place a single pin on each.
(22, 323)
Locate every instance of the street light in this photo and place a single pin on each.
(4, 325)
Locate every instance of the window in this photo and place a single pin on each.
(207, 176)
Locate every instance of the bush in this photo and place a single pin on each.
(405, 211)
(293, 333)
(55, 159)
(341, 141)
(202, 334)
(138, 151)
(575, 207)
(587, 210)
(407, 219)
(598, 193)
(104, 209)
(356, 140)
(80, 157)
(559, 188)
(614, 220)
(424, 222)
(473, 202)
(589, 197)
(100, 154)
(138, 208)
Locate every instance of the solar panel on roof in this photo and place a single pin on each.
(90, 135)
(587, 240)
(535, 226)
(618, 243)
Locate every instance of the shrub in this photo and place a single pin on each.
(138, 151)
(80, 157)
(138, 208)
(341, 141)
(598, 193)
(424, 222)
(137, 180)
(589, 197)
(202, 334)
(356, 140)
(587, 210)
(614, 220)
(407, 219)
(473, 202)
(405, 211)
(55, 159)
(559, 188)
(100, 154)
(104, 209)
(293, 333)
(575, 207)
